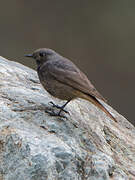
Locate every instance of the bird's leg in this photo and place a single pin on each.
(59, 107)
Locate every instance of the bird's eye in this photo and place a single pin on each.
(41, 54)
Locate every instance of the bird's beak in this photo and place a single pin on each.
(28, 55)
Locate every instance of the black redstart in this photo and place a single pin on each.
(64, 80)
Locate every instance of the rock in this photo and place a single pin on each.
(87, 145)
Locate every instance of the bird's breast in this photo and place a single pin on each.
(55, 87)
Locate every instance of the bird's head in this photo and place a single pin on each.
(42, 55)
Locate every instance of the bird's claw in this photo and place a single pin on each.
(52, 104)
(52, 113)
(58, 107)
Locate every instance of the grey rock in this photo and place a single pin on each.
(87, 145)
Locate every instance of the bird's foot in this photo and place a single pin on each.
(59, 107)
(52, 113)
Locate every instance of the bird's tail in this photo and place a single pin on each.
(93, 100)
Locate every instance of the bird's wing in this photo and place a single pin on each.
(69, 74)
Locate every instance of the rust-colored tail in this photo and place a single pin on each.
(93, 100)
(98, 104)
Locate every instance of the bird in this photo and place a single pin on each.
(64, 80)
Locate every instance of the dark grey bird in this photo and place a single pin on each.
(64, 80)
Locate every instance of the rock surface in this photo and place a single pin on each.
(87, 145)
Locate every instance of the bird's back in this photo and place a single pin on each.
(65, 71)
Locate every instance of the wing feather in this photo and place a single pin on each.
(69, 74)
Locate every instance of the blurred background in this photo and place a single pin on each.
(99, 36)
